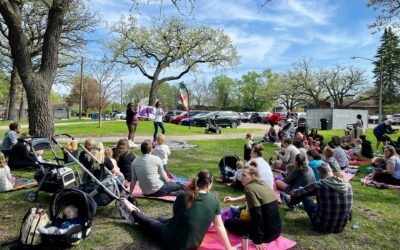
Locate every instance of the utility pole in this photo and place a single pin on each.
(81, 90)
(122, 108)
(380, 91)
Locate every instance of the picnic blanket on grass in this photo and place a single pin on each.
(23, 183)
(360, 162)
(138, 193)
(212, 241)
(180, 145)
(368, 181)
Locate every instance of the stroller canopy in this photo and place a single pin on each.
(228, 160)
(85, 204)
(40, 143)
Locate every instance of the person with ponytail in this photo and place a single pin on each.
(265, 222)
(194, 211)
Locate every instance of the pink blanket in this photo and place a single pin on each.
(360, 162)
(137, 193)
(367, 180)
(212, 241)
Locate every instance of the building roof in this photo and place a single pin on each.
(371, 103)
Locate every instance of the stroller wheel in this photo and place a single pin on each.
(206, 131)
(219, 131)
(133, 201)
(32, 196)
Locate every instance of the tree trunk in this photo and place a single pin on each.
(100, 114)
(21, 105)
(153, 91)
(15, 87)
(39, 113)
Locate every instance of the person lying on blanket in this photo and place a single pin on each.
(300, 176)
(7, 182)
(265, 222)
(194, 211)
(148, 170)
(334, 201)
(392, 173)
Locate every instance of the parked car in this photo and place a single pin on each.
(259, 117)
(222, 118)
(396, 118)
(188, 121)
(121, 116)
(245, 116)
(176, 119)
(170, 113)
(373, 118)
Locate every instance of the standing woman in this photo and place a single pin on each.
(193, 213)
(158, 119)
(132, 122)
(265, 224)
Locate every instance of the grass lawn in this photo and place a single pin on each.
(376, 211)
(25, 122)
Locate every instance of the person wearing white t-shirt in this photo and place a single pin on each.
(162, 150)
(158, 121)
(264, 169)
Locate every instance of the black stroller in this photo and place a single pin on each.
(389, 141)
(302, 125)
(288, 128)
(212, 127)
(86, 209)
(227, 167)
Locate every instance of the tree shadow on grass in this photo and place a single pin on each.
(140, 241)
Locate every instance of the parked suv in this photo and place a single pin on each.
(222, 118)
(396, 118)
(245, 116)
(259, 117)
(178, 118)
(170, 113)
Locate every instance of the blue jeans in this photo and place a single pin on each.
(156, 125)
(168, 188)
(165, 167)
(310, 208)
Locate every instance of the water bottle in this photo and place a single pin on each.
(245, 242)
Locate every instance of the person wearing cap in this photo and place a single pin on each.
(21, 155)
(382, 129)
(10, 138)
(334, 201)
(356, 132)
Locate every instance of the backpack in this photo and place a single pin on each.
(34, 219)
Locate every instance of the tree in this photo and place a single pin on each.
(199, 90)
(389, 54)
(342, 83)
(107, 75)
(138, 92)
(37, 79)
(256, 89)
(169, 95)
(90, 86)
(221, 88)
(389, 13)
(287, 92)
(170, 43)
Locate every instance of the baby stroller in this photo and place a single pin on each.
(288, 128)
(227, 167)
(52, 176)
(86, 209)
(212, 127)
(302, 125)
(389, 141)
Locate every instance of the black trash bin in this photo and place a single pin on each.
(324, 124)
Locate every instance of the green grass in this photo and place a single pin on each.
(25, 122)
(376, 211)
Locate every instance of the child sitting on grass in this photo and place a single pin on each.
(70, 218)
(162, 150)
(112, 165)
(236, 178)
(6, 180)
(248, 147)
(379, 165)
(355, 152)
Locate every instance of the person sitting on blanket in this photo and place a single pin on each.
(314, 159)
(340, 154)
(148, 170)
(392, 173)
(265, 223)
(271, 136)
(264, 169)
(7, 182)
(193, 213)
(355, 152)
(237, 183)
(287, 156)
(21, 155)
(328, 155)
(346, 140)
(379, 164)
(299, 144)
(10, 138)
(334, 201)
(111, 164)
(367, 153)
(300, 176)
(124, 157)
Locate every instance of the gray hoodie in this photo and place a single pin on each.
(336, 183)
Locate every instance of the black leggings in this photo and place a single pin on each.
(242, 228)
(151, 227)
(386, 178)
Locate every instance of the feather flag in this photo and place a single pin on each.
(184, 96)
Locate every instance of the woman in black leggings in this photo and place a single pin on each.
(194, 211)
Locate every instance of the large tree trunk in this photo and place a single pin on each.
(15, 87)
(153, 92)
(39, 113)
(21, 105)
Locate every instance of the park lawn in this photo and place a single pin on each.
(145, 128)
(374, 210)
(25, 122)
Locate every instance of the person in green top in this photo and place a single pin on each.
(194, 211)
(265, 222)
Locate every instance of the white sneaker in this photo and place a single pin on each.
(125, 214)
(129, 206)
(132, 144)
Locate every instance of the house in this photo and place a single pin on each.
(371, 105)
(60, 111)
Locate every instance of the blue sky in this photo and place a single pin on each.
(283, 32)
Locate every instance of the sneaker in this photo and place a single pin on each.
(132, 144)
(285, 200)
(300, 205)
(125, 214)
(129, 207)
